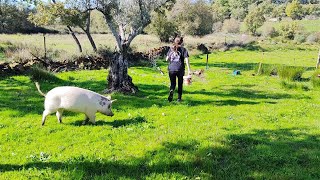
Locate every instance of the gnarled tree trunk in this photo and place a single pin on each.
(118, 78)
(75, 39)
(93, 44)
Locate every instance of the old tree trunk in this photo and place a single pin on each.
(118, 78)
(126, 20)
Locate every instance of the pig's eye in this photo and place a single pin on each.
(109, 106)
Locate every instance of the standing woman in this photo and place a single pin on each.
(176, 56)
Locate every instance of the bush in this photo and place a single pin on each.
(217, 27)
(315, 79)
(289, 30)
(294, 10)
(269, 31)
(162, 27)
(313, 38)
(238, 13)
(254, 20)
(231, 26)
(300, 38)
(291, 73)
(193, 18)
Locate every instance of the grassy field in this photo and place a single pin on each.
(308, 25)
(227, 127)
(64, 44)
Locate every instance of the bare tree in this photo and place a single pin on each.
(83, 20)
(126, 19)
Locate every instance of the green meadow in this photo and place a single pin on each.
(227, 126)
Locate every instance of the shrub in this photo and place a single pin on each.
(162, 27)
(38, 74)
(254, 20)
(269, 31)
(291, 73)
(231, 26)
(217, 27)
(315, 79)
(238, 13)
(300, 38)
(289, 30)
(313, 38)
(294, 10)
(193, 18)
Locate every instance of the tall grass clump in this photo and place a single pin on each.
(38, 74)
(266, 69)
(291, 73)
(315, 79)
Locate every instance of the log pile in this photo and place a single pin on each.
(87, 63)
(81, 63)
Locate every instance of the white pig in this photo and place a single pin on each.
(76, 100)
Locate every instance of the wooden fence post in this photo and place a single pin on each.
(45, 45)
(207, 66)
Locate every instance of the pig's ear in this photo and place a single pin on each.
(112, 101)
(109, 97)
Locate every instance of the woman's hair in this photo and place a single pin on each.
(177, 43)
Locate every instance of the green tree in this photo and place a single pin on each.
(13, 18)
(294, 10)
(254, 20)
(163, 27)
(50, 13)
(74, 16)
(221, 10)
(193, 18)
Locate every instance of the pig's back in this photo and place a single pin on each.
(70, 98)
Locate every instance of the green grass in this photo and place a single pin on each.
(308, 25)
(2, 56)
(227, 127)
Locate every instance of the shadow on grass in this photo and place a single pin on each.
(232, 66)
(22, 97)
(229, 102)
(249, 94)
(260, 154)
(242, 66)
(115, 123)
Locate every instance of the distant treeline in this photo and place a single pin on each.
(14, 19)
(193, 17)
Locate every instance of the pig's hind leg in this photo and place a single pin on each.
(45, 114)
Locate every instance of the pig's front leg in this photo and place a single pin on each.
(91, 118)
(59, 115)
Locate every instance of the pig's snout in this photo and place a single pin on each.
(110, 113)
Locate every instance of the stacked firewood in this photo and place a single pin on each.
(88, 63)
(81, 63)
